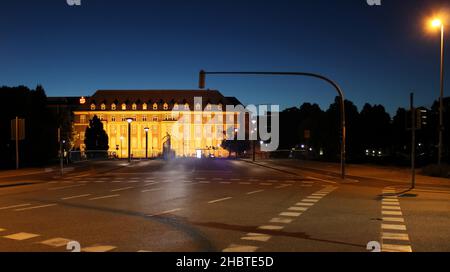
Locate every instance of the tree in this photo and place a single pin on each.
(96, 138)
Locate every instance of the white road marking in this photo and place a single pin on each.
(35, 207)
(257, 237)
(392, 208)
(151, 190)
(310, 200)
(393, 227)
(73, 197)
(281, 220)
(395, 236)
(219, 200)
(315, 197)
(305, 204)
(240, 248)
(56, 242)
(270, 227)
(396, 248)
(390, 203)
(122, 189)
(66, 187)
(21, 236)
(290, 214)
(298, 209)
(324, 180)
(163, 213)
(255, 192)
(391, 213)
(283, 186)
(394, 219)
(14, 206)
(99, 248)
(225, 182)
(103, 197)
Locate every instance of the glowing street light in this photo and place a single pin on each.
(129, 120)
(438, 23)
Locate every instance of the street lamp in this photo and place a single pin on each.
(129, 120)
(255, 130)
(202, 80)
(146, 129)
(438, 23)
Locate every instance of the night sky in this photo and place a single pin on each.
(377, 54)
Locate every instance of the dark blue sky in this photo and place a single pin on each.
(378, 54)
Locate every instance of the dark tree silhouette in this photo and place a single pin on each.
(96, 138)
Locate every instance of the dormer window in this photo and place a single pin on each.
(134, 106)
(144, 106)
(219, 107)
(103, 106)
(175, 107)
(198, 106)
(165, 106)
(113, 106)
(186, 106)
(208, 107)
(155, 106)
(124, 106)
(92, 106)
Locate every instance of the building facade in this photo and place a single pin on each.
(193, 121)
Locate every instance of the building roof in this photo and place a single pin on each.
(129, 97)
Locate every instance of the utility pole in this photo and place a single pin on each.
(413, 142)
(61, 154)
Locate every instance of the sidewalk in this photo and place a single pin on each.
(391, 174)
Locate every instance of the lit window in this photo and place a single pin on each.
(144, 118)
(155, 118)
(124, 106)
(155, 106)
(103, 106)
(144, 106)
(175, 107)
(113, 118)
(186, 106)
(82, 119)
(92, 106)
(208, 107)
(198, 106)
(113, 106)
(219, 107)
(166, 107)
(134, 106)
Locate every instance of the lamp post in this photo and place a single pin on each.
(129, 120)
(146, 129)
(438, 23)
(254, 130)
(202, 80)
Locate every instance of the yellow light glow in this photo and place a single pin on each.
(436, 22)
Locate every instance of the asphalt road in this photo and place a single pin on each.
(214, 206)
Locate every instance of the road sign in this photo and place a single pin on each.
(20, 127)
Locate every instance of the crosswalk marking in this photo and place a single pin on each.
(393, 227)
(256, 237)
(21, 236)
(395, 236)
(271, 227)
(395, 248)
(55, 242)
(99, 249)
(240, 248)
(298, 209)
(305, 204)
(290, 214)
(393, 219)
(281, 220)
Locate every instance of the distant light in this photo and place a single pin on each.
(146, 129)
(129, 120)
(302, 146)
(261, 142)
(82, 100)
(310, 149)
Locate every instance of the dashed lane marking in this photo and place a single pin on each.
(103, 197)
(151, 190)
(271, 227)
(164, 212)
(122, 189)
(99, 248)
(55, 242)
(281, 220)
(240, 248)
(256, 237)
(395, 236)
(290, 214)
(21, 236)
(74, 197)
(255, 192)
(245, 183)
(219, 200)
(35, 207)
(14, 206)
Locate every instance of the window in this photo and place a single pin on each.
(82, 119)
(124, 106)
(175, 107)
(165, 107)
(113, 118)
(198, 107)
(134, 106)
(186, 106)
(219, 107)
(155, 106)
(92, 106)
(113, 106)
(155, 118)
(209, 107)
(101, 117)
(144, 118)
(103, 106)
(144, 106)
(124, 119)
